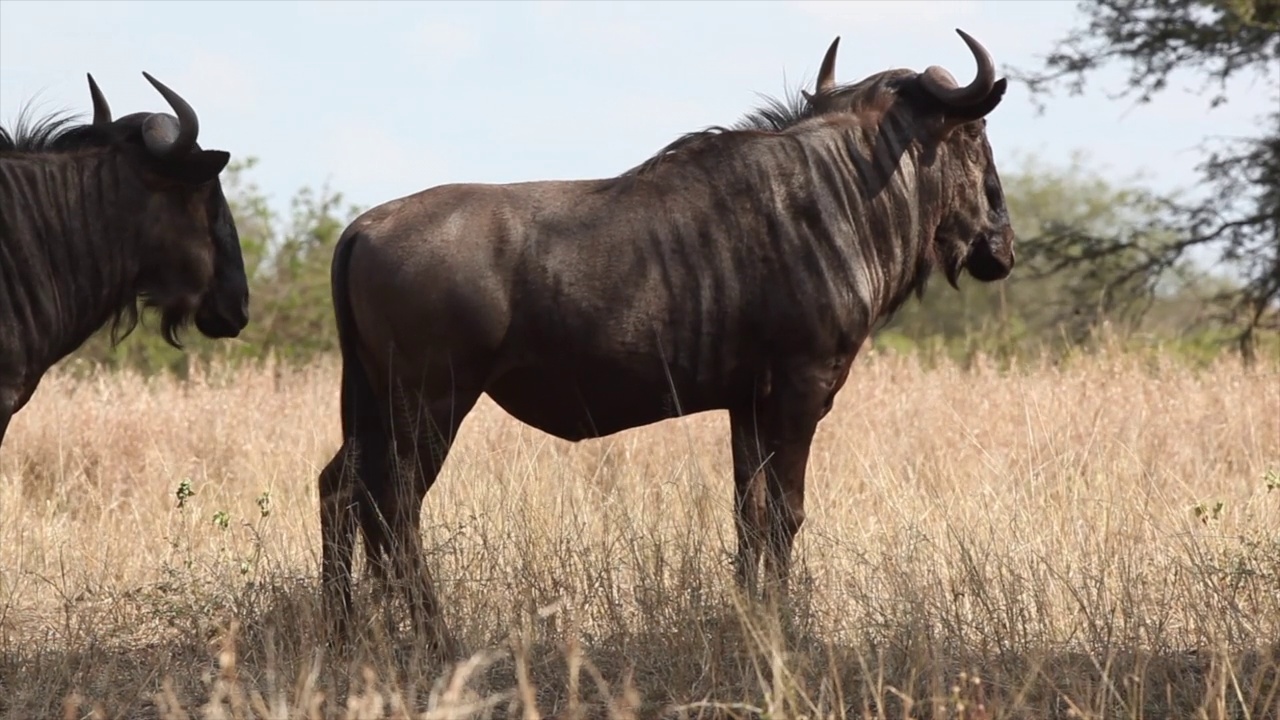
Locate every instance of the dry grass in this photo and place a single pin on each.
(979, 545)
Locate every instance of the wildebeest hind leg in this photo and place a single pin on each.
(360, 463)
(337, 538)
(423, 439)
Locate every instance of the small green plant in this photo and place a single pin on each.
(1272, 479)
(185, 492)
(222, 519)
(1206, 514)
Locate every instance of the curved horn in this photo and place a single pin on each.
(827, 72)
(163, 136)
(939, 83)
(101, 110)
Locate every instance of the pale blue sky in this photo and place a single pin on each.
(384, 99)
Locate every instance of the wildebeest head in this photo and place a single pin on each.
(193, 267)
(973, 231)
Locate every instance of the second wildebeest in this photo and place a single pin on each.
(738, 269)
(95, 217)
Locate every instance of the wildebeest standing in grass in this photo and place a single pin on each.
(95, 217)
(739, 269)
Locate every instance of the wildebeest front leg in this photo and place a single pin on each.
(8, 401)
(771, 442)
(784, 506)
(749, 516)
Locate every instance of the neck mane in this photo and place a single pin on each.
(68, 251)
(841, 186)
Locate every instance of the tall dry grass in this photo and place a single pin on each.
(1095, 540)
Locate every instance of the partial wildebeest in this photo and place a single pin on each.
(95, 217)
(738, 269)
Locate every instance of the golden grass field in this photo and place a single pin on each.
(979, 544)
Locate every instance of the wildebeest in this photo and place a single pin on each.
(95, 217)
(739, 269)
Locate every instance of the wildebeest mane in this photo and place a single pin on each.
(56, 132)
(777, 114)
(774, 115)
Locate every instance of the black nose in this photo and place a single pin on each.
(990, 259)
(218, 326)
(223, 316)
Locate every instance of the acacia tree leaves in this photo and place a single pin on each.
(1155, 38)
(1240, 215)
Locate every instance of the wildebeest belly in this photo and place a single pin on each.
(596, 398)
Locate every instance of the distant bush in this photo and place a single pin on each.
(1020, 319)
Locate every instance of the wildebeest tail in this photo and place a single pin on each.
(359, 403)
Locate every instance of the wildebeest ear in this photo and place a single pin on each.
(200, 166)
(951, 119)
(983, 108)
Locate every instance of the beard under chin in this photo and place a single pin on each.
(177, 310)
(952, 256)
(175, 315)
(173, 320)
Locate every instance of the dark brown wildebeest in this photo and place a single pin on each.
(94, 218)
(738, 269)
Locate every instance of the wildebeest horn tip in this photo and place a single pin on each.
(827, 71)
(940, 84)
(101, 110)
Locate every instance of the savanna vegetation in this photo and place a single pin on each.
(1058, 497)
(1094, 538)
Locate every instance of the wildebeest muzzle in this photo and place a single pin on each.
(223, 312)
